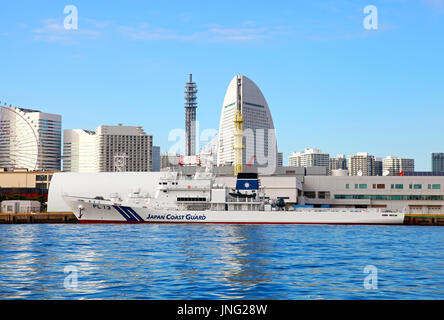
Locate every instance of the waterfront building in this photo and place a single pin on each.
(361, 164)
(394, 165)
(309, 158)
(190, 117)
(338, 163)
(24, 179)
(418, 194)
(438, 162)
(30, 139)
(108, 149)
(156, 159)
(259, 138)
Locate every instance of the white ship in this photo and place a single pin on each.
(197, 199)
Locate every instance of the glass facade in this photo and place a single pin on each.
(438, 162)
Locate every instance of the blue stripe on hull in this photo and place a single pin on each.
(131, 211)
(119, 210)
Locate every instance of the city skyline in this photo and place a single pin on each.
(342, 89)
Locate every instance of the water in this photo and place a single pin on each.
(220, 262)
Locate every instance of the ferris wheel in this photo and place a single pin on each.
(19, 143)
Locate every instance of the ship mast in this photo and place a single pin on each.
(238, 130)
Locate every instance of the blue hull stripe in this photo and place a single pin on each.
(131, 211)
(123, 214)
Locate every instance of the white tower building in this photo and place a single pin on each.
(259, 136)
(80, 151)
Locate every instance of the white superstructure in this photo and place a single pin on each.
(181, 199)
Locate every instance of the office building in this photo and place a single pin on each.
(309, 158)
(80, 152)
(379, 167)
(30, 139)
(259, 138)
(108, 149)
(394, 165)
(338, 163)
(156, 159)
(438, 162)
(361, 164)
(280, 159)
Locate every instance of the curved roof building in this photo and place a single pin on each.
(259, 136)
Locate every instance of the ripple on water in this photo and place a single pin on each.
(219, 262)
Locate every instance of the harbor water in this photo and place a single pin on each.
(172, 261)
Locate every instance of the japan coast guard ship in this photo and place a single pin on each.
(197, 199)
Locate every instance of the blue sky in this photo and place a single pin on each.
(329, 82)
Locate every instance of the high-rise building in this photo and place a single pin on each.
(259, 138)
(30, 139)
(309, 158)
(361, 164)
(280, 159)
(156, 159)
(80, 152)
(108, 149)
(394, 165)
(438, 162)
(190, 117)
(338, 163)
(379, 167)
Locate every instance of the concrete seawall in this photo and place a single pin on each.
(53, 217)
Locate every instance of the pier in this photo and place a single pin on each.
(46, 217)
(424, 219)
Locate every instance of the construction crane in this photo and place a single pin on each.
(238, 130)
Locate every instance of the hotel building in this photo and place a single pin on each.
(108, 149)
(30, 139)
(309, 158)
(394, 165)
(259, 135)
(361, 164)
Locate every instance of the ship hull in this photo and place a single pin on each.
(100, 212)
